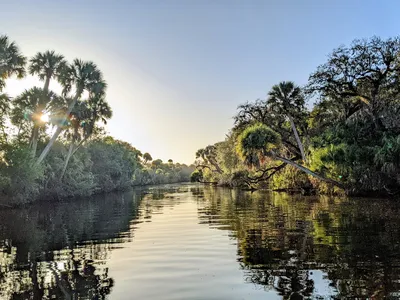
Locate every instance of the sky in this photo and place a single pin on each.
(177, 70)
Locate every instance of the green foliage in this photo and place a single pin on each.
(286, 98)
(256, 139)
(147, 157)
(289, 179)
(114, 164)
(164, 173)
(79, 179)
(12, 62)
(47, 65)
(82, 160)
(19, 177)
(349, 139)
(196, 176)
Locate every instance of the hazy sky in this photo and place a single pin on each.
(177, 70)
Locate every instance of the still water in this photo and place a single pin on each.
(199, 242)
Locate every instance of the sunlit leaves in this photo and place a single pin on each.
(257, 140)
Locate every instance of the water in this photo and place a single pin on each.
(196, 242)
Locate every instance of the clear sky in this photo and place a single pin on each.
(177, 70)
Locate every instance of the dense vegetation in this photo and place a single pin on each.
(79, 159)
(347, 142)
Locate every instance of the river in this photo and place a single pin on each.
(198, 242)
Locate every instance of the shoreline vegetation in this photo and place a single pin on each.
(347, 143)
(78, 159)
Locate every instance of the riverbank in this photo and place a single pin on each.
(349, 140)
(306, 190)
(101, 166)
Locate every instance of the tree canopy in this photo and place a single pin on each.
(347, 142)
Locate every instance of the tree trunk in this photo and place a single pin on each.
(35, 137)
(296, 135)
(46, 150)
(79, 145)
(216, 166)
(39, 109)
(69, 155)
(46, 86)
(58, 130)
(308, 171)
(37, 293)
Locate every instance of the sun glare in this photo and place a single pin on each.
(44, 118)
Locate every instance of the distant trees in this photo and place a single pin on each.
(147, 158)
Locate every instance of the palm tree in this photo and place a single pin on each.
(81, 76)
(31, 105)
(287, 99)
(46, 65)
(25, 107)
(261, 141)
(84, 117)
(12, 62)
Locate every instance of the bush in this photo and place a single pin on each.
(20, 177)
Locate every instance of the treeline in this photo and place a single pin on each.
(348, 142)
(78, 158)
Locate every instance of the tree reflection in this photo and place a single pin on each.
(57, 251)
(282, 239)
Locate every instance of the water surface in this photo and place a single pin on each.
(199, 242)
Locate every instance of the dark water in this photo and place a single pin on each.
(195, 242)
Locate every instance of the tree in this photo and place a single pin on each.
(261, 112)
(156, 163)
(12, 62)
(196, 176)
(365, 76)
(82, 76)
(259, 141)
(147, 157)
(208, 155)
(30, 107)
(84, 117)
(46, 65)
(286, 99)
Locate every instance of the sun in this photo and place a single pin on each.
(45, 118)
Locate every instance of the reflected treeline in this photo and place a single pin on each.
(284, 242)
(58, 250)
(156, 198)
